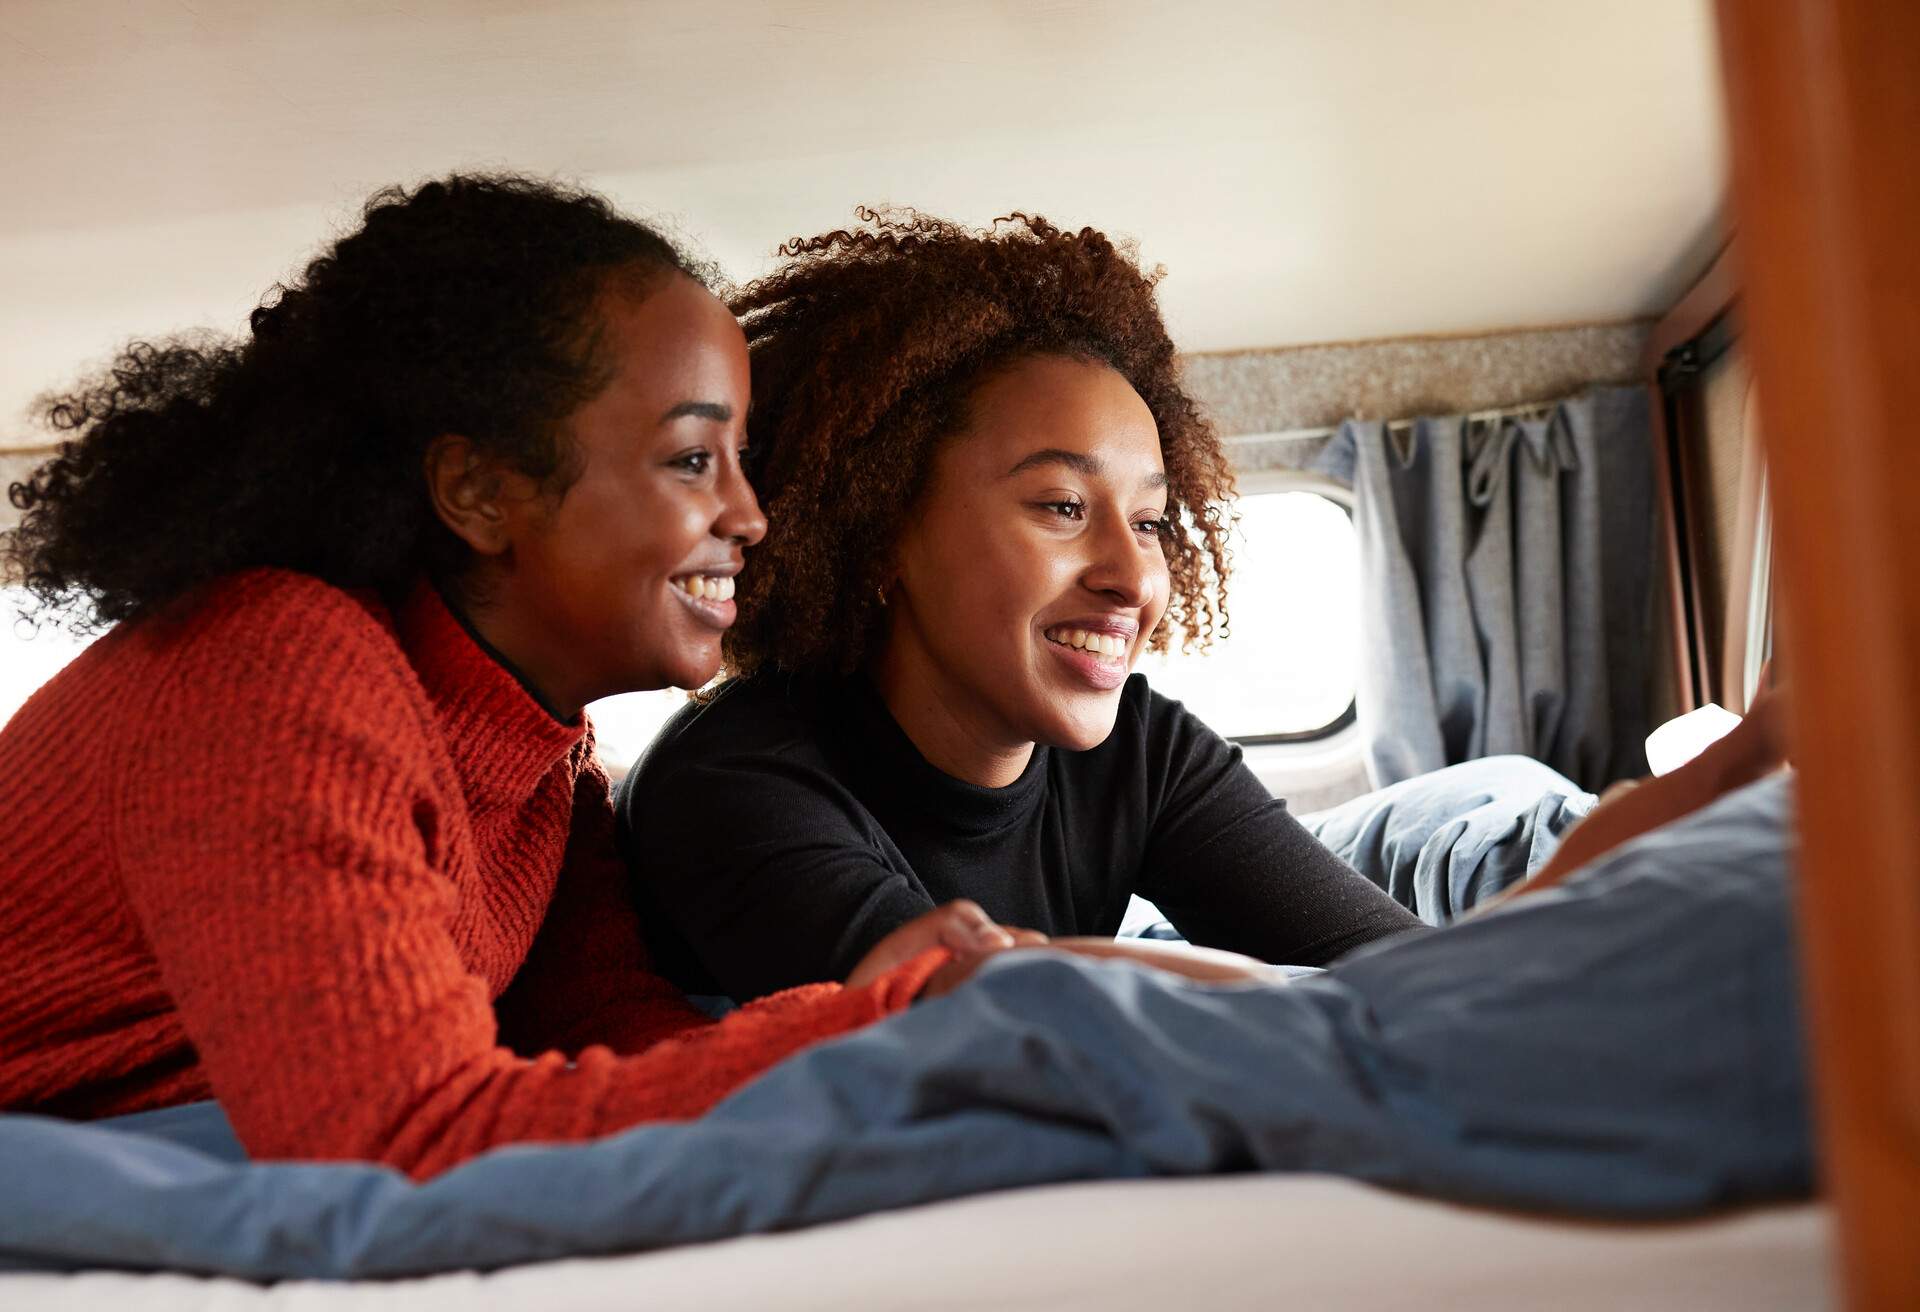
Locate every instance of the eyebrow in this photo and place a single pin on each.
(1085, 465)
(717, 411)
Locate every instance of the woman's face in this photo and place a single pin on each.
(626, 582)
(1032, 574)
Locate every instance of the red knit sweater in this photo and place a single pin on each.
(332, 865)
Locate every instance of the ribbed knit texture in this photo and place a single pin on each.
(334, 866)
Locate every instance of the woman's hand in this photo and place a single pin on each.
(960, 926)
(972, 936)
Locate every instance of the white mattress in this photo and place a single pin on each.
(1301, 1243)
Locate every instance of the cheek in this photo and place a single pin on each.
(1016, 581)
(982, 577)
(655, 534)
(681, 536)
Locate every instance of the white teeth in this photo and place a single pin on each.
(1100, 644)
(708, 587)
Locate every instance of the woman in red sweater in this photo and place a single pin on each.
(317, 829)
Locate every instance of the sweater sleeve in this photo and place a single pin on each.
(587, 978)
(290, 892)
(1232, 868)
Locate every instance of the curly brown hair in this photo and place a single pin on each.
(866, 346)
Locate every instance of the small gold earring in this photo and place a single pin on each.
(881, 593)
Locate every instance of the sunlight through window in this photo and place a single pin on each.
(1288, 667)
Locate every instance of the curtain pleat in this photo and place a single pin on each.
(1506, 567)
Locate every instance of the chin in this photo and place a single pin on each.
(1080, 729)
(693, 672)
(694, 679)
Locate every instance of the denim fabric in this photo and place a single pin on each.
(1443, 842)
(1628, 1044)
(1439, 843)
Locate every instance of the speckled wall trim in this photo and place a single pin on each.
(1318, 386)
(1299, 387)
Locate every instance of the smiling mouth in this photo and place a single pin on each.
(706, 587)
(1106, 646)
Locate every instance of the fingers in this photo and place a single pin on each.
(960, 927)
(964, 928)
(972, 936)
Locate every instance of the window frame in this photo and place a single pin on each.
(1759, 630)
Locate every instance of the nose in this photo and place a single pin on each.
(740, 521)
(1127, 566)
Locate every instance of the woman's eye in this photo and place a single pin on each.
(693, 462)
(1152, 528)
(1072, 510)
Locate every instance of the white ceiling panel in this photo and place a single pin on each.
(1306, 171)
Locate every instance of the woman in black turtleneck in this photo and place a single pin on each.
(988, 495)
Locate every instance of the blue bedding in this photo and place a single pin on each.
(1628, 1045)
(1442, 843)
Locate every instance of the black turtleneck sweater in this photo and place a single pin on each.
(780, 831)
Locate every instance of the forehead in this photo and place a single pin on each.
(674, 339)
(1081, 406)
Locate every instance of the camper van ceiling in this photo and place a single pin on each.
(1307, 172)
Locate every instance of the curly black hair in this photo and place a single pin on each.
(465, 305)
(866, 345)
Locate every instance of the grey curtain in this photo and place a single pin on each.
(1506, 567)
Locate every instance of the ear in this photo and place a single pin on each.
(466, 491)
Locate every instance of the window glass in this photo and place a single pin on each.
(1294, 604)
(1760, 596)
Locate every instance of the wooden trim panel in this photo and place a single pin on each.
(1824, 111)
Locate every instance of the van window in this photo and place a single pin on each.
(1286, 671)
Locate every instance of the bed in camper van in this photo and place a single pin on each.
(1654, 262)
(1235, 1242)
